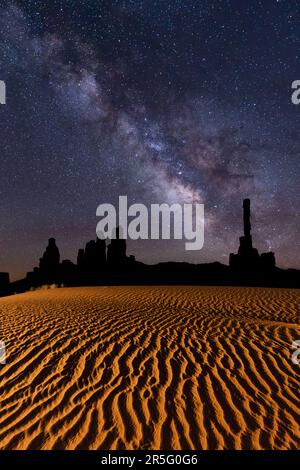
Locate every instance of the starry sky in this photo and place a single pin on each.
(159, 100)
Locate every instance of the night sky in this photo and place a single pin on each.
(163, 101)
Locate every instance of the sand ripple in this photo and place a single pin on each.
(150, 368)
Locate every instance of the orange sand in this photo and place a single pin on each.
(150, 368)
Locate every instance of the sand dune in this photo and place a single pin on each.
(150, 368)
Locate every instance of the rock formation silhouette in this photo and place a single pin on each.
(4, 283)
(98, 264)
(248, 258)
(92, 259)
(116, 250)
(49, 263)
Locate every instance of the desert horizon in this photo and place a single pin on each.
(150, 368)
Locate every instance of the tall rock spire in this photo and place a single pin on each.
(248, 257)
(247, 215)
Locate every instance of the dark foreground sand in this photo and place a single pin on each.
(150, 367)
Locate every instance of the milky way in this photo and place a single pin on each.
(162, 101)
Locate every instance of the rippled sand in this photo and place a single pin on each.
(150, 368)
